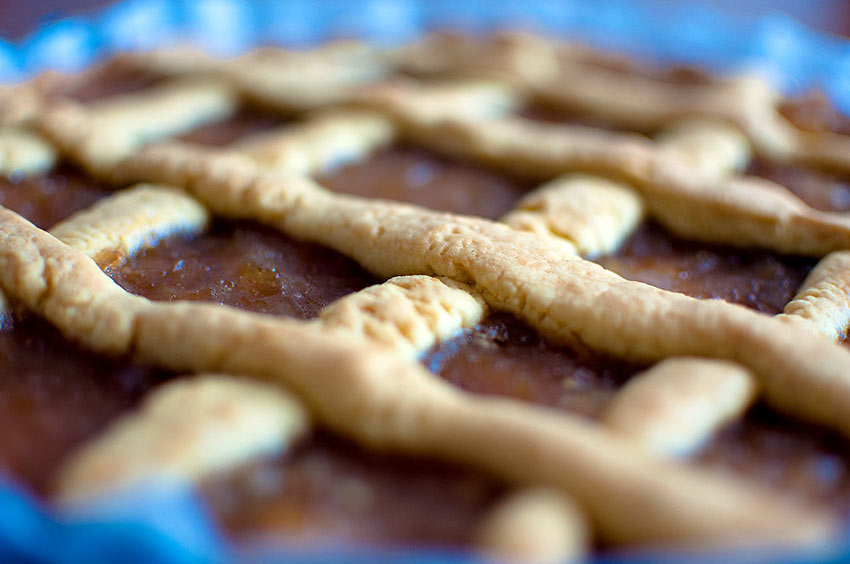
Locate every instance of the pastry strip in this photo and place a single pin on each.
(118, 226)
(710, 148)
(594, 214)
(751, 211)
(22, 152)
(676, 405)
(823, 302)
(186, 429)
(385, 401)
(736, 210)
(323, 141)
(408, 314)
(534, 526)
(98, 137)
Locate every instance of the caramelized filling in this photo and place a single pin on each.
(220, 133)
(54, 395)
(504, 356)
(110, 79)
(412, 175)
(814, 112)
(821, 190)
(757, 279)
(245, 265)
(330, 490)
(49, 198)
(797, 458)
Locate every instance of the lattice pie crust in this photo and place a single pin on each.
(263, 381)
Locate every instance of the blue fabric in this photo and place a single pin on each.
(167, 524)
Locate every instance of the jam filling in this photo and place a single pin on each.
(55, 395)
(245, 121)
(47, 199)
(504, 356)
(244, 265)
(757, 279)
(820, 189)
(111, 79)
(418, 177)
(800, 459)
(813, 111)
(329, 490)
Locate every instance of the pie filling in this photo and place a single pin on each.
(57, 395)
(244, 265)
(330, 491)
(47, 199)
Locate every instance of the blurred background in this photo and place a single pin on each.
(20, 17)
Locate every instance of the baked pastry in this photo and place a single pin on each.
(498, 283)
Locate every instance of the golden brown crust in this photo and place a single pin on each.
(408, 314)
(823, 302)
(185, 430)
(594, 214)
(120, 225)
(676, 405)
(534, 526)
(22, 152)
(98, 137)
(324, 140)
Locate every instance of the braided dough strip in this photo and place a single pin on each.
(383, 400)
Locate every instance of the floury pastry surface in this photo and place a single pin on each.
(588, 404)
